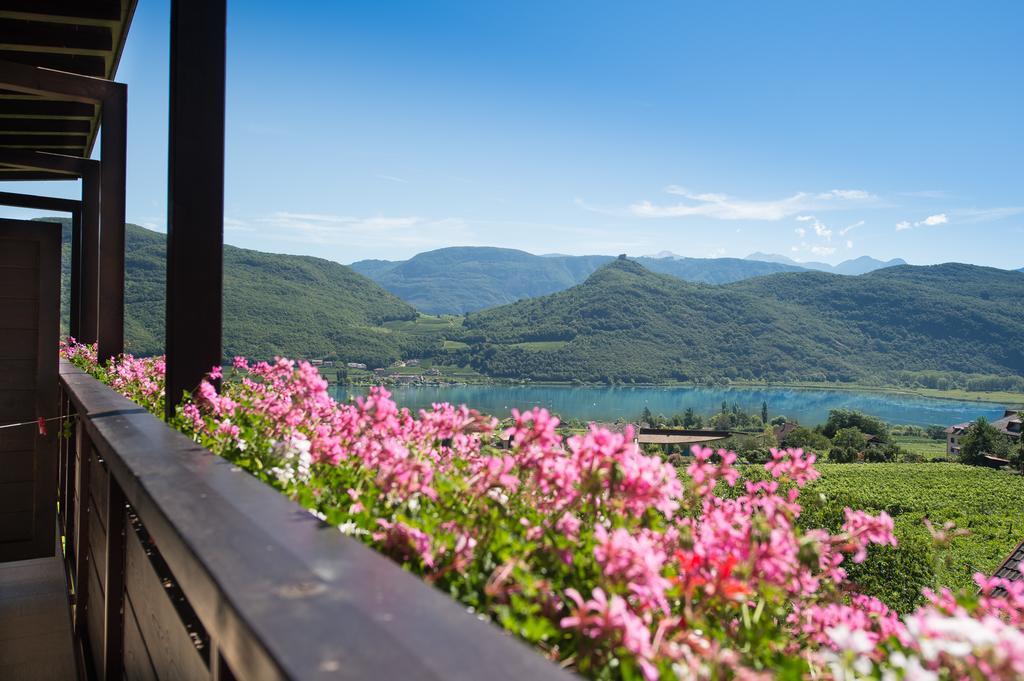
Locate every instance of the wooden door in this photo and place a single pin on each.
(30, 255)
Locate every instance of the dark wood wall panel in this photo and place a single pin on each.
(18, 282)
(19, 255)
(15, 526)
(16, 466)
(16, 374)
(16, 406)
(16, 496)
(18, 344)
(98, 483)
(17, 439)
(97, 545)
(94, 621)
(137, 665)
(20, 313)
(170, 647)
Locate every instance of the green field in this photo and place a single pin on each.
(988, 503)
(925, 446)
(426, 325)
(540, 345)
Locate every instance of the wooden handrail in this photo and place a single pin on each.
(282, 595)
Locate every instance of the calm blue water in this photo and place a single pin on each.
(607, 404)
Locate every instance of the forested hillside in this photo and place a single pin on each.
(273, 304)
(460, 280)
(627, 323)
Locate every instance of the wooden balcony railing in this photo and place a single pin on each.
(182, 566)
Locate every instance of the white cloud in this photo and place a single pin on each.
(804, 218)
(800, 232)
(336, 230)
(821, 230)
(852, 227)
(725, 207)
(849, 243)
(933, 220)
(930, 221)
(392, 178)
(969, 216)
(822, 250)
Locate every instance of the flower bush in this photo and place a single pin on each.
(604, 558)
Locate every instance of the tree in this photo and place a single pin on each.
(647, 417)
(808, 440)
(764, 411)
(847, 418)
(980, 439)
(850, 438)
(883, 453)
(842, 455)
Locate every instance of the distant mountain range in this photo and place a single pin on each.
(626, 322)
(467, 279)
(856, 266)
(622, 322)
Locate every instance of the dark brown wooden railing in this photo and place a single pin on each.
(183, 566)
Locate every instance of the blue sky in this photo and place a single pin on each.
(817, 130)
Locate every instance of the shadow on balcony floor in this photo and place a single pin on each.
(35, 623)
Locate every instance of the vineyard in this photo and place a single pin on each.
(988, 503)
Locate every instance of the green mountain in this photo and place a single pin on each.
(459, 280)
(467, 279)
(628, 323)
(715, 270)
(273, 304)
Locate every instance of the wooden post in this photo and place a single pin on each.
(195, 194)
(75, 302)
(113, 153)
(81, 522)
(113, 610)
(90, 255)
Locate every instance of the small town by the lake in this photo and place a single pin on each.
(533, 341)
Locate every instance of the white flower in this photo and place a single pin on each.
(351, 529)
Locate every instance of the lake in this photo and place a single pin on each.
(808, 406)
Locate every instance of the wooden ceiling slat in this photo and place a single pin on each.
(71, 10)
(46, 108)
(87, 65)
(39, 34)
(23, 141)
(45, 125)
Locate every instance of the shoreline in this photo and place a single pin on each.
(1008, 399)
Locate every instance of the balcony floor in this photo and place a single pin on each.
(35, 622)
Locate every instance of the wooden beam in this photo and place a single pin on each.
(87, 65)
(27, 159)
(113, 157)
(195, 194)
(34, 80)
(17, 174)
(35, 202)
(90, 276)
